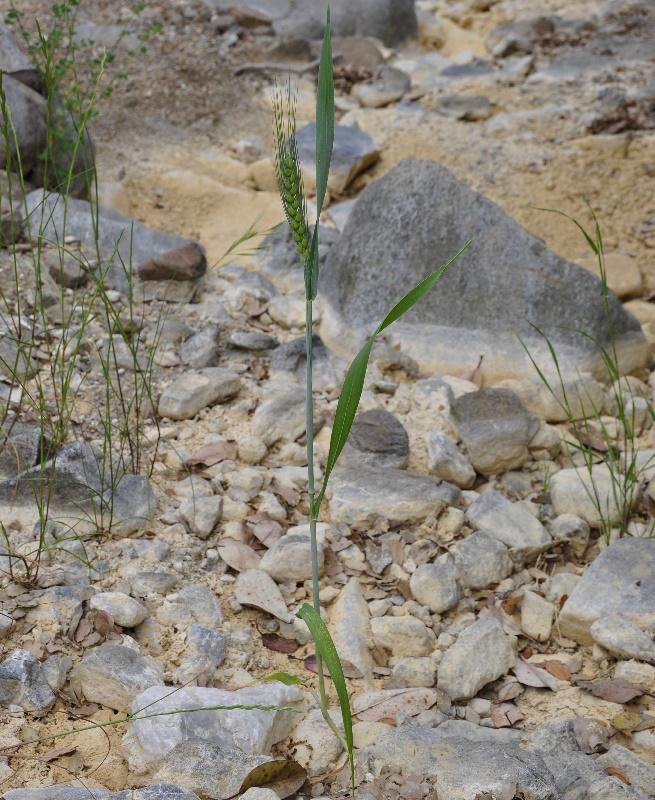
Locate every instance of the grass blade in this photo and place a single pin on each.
(354, 382)
(324, 117)
(328, 652)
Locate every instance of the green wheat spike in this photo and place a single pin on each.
(287, 170)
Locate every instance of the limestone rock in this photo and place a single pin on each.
(623, 638)
(592, 497)
(113, 676)
(354, 493)
(404, 636)
(22, 683)
(510, 524)
(436, 586)
(481, 560)
(377, 439)
(446, 462)
(418, 216)
(189, 394)
(123, 609)
(290, 558)
(620, 581)
(281, 418)
(495, 428)
(481, 654)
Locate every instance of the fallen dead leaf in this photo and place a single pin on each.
(614, 691)
(272, 641)
(591, 736)
(238, 555)
(529, 675)
(510, 690)
(212, 453)
(617, 772)
(629, 722)
(506, 715)
(349, 670)
(376, 705)
(556, 668)
(54, 754)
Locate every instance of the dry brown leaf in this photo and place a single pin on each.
(629, 722)
(54, 754)
(505, 715)
(617, 772)
(529, 675)
(376, 705)
(591, 736)
(510, 690)
(102, 621)
(557, 669)
(264, 529)
(615, 691)
(272, 641)
(83, 629)
(85, 711)
(212, 453)
(282, 777)
(289, 494)
(238, 555)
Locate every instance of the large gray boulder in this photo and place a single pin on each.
(14, 62)
(416, 218)
(391, 21)
(129, 245)
(25, 111)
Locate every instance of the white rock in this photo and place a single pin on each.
(315, 747)
(590, 496)
(290, 558)
(253, 731)
(406, 636)
(436, 585)
(124, 610)
(446, 462)
(537, 616)
(201, 514)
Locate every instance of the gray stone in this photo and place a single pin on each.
(252, 340)
(414, 673)
(611, 788)
(193, 391)
(55, 670)
(578, 394)
(113, 676)
(203, 604)
(620, 581)
(388, 85)
(355, 493)
(16, 363)
(290, 359)
(28, 114)
(461, 769)
(640, 773)
(446, 462)
(573, 530)
(214, 772)
(22, 683)
(259, 793)
(350, 629)
(518, 37)
(253, 731)
(67, 269)
(57, 793)
(462, 729)
(495, 428)
(470, 108)
(353, 152)
(436, 586)
(78, 487)
(418, 216)
(314, 745)
(481, 560)
(13, 61)
(202, 349)
(290, 558)
(623, 638)
(377, 439)
(124, 242)
(201, 514)
(390, 21)
(146, 583)
(590, 496)
(512, 525)
(123, 609)
(281, 419)
(25, 446)
(481, 654)
(537, 616)
(161, 791)
(206, 642)
(403, 636)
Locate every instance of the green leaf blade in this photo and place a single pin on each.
(328, 652)
(324, 117)
(353, 385)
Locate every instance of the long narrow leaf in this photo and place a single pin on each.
(354, 382)
(590, 241)
(324, 117)
(328, 652)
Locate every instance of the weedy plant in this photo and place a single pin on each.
(291, 188)
(597, 439)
